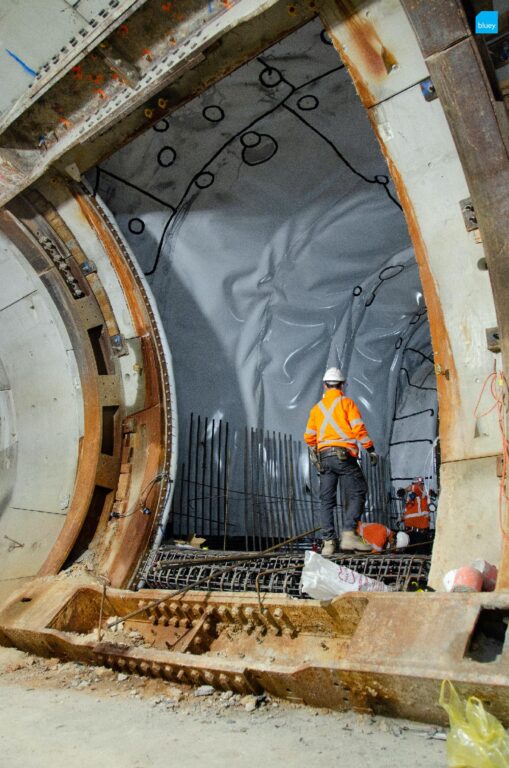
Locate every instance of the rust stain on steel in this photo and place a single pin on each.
(341, 655)
(130, 535)
(362, 49)
(60, 227)
(127, 538)
(122, 269)
(447, 385)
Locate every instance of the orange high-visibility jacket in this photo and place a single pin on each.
(416, 514)
(336, 421)
(375, 534)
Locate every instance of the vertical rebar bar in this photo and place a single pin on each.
(218, 481)
(203, 472)
(259, 487)
(188, 484)
(212, 493)
(282, 485)
(253, 490)
(287, 484)
(302, 516)
(258, 496)
(291, 502)
(181, 500)
(246, 488)
(277, 491)
(271, 505)
(226, 479)
(196, 468)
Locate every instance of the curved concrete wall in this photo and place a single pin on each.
(41, 418)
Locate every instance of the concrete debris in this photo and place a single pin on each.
(205, 690)
(251, 703)
(121, 677)
(226, 695)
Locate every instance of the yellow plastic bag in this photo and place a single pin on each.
(476, 739)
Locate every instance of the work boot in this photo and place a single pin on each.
(350, 542)
(329, 547)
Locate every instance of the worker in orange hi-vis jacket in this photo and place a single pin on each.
(334, 430)
(380, 537)
(375, 534)
(416, 511)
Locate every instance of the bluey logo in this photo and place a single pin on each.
(486, 23)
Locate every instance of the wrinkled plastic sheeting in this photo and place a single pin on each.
(263, 215)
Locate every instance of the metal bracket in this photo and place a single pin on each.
(88, 267)
(428, 90)
(468, 213)
(118, 345)
(493, 339)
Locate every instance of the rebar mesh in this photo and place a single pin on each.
(174, 568)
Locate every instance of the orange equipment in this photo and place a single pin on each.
(375, 534)
(336, 422)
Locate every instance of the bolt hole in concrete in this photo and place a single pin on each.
(488, 638)
(275, 245)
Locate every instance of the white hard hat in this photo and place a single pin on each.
(402, 540)
(333, 374)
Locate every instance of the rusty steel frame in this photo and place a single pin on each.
(93, 109)
(34, 225)
(343, 654)
(459, 76)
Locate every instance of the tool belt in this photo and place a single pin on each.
(343, 454)
(315, 458)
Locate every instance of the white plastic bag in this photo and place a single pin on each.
(323, 580)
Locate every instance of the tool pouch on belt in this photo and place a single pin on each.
(342, 453)
(315, 458)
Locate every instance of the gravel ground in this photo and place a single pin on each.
(72, 715)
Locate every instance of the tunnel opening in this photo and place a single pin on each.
(269, 229)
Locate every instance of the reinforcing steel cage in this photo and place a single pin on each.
(250, 488)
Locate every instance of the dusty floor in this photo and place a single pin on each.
(55, 714)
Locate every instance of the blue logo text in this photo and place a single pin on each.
(486, 23)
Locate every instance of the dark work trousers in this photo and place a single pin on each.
(354, 488)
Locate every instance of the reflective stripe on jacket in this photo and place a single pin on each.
(375, 534)
(336, 421)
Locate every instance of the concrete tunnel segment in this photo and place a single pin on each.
(434, 162)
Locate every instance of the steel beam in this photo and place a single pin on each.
(376, 653)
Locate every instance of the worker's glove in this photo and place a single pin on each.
(373, 457)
